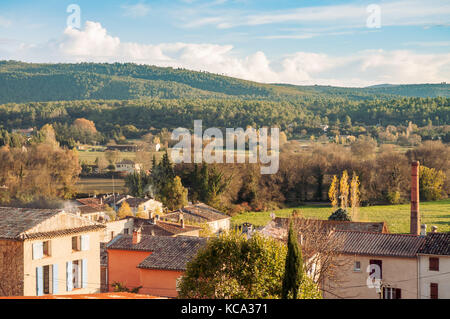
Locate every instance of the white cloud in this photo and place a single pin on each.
(136, 10)
(393, 13)
(94, 44)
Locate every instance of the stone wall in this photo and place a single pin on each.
(11, 268)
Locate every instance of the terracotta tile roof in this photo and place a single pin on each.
(436, 244)
(86, 209)
(107, 295)
(91, 201)
(162, 228)
(16, 222)
(117, 199)
(198, 213)
(64, 232)
(135, 202)
(379, 244)
(379, 227)
(169, 253)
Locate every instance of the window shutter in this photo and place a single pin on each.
(38, 250)
(55, 279)
(85, 242)
(69, 279)
(84, 273)
(39, 281)
(398, 293)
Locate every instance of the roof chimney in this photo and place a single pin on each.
(137, 236)
(415, 212)
(434, 229)
(181, 220)
(423, 230)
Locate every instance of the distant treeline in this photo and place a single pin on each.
(310, 114)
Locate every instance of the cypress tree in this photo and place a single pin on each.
(293, 273)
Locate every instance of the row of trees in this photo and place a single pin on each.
(132, 118)
(40, 171)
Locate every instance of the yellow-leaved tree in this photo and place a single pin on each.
(124, 211)
(344, 190)
(333, 192)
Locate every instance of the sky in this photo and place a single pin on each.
(340, 43)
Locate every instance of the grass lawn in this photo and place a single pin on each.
(89, 157)
(100, 185)
(396, 216)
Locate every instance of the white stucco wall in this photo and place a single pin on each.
(441, 277)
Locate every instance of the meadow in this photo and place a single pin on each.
(396, 216)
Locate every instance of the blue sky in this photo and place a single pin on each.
(298, 42)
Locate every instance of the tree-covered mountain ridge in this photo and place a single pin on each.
(31, 82)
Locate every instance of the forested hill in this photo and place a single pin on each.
(25, 82)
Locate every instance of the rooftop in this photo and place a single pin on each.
(23, 223)
(162, 228)
(168, 253)
(379, 244)
(375, 227)
(197, 213)
(436, 244)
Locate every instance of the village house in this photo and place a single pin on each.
(45, 251)
(434, 267)
(154, 263)
(145, 205)
(128, 166)
(201, 214)
(389, 258)
(156, 227)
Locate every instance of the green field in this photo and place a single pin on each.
(396, 216)
(100, 185)
(89, 157)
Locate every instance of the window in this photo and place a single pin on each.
(434, 291)
(126, 231)
(76, 274)
(434, 264)
(379, 264)
(357, 266)
(76, 243)
(47, 280)
(80, 243)
(46, 248)
(392, 293)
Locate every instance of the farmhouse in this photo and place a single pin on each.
(45, 252)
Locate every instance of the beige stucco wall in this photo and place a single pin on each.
(117, 227)
(397, 272)
(441, 277)
(223, 224)
(61, 252)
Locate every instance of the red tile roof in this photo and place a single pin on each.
(379, 244)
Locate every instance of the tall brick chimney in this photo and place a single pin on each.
(137, 236)
(415, 211)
